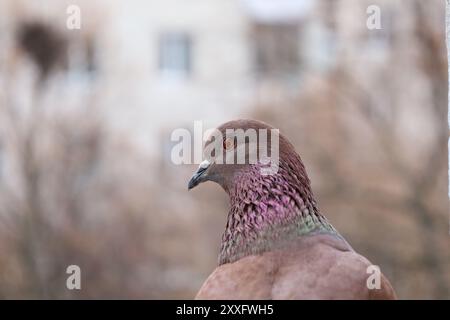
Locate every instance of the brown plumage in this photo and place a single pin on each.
(277, 244)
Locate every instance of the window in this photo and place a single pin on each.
(276, 50)
(82, 58)
(175, 54)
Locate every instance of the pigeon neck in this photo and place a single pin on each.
(268, 212)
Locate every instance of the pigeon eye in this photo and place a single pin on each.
(229, 143)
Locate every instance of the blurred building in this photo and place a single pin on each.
(153, 66)
(149, 67)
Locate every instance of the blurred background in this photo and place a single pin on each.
(86, 116)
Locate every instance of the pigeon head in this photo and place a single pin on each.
(271, 200)
(241, 147)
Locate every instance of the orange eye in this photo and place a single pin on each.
(228, 144)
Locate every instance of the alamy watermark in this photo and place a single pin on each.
(73, 20)
(373, 21)
(73, 281)
(374, 279)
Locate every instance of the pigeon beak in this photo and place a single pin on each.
(200, 175)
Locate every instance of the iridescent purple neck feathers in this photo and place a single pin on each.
(270, 211)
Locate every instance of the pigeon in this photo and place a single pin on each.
(277, 244)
